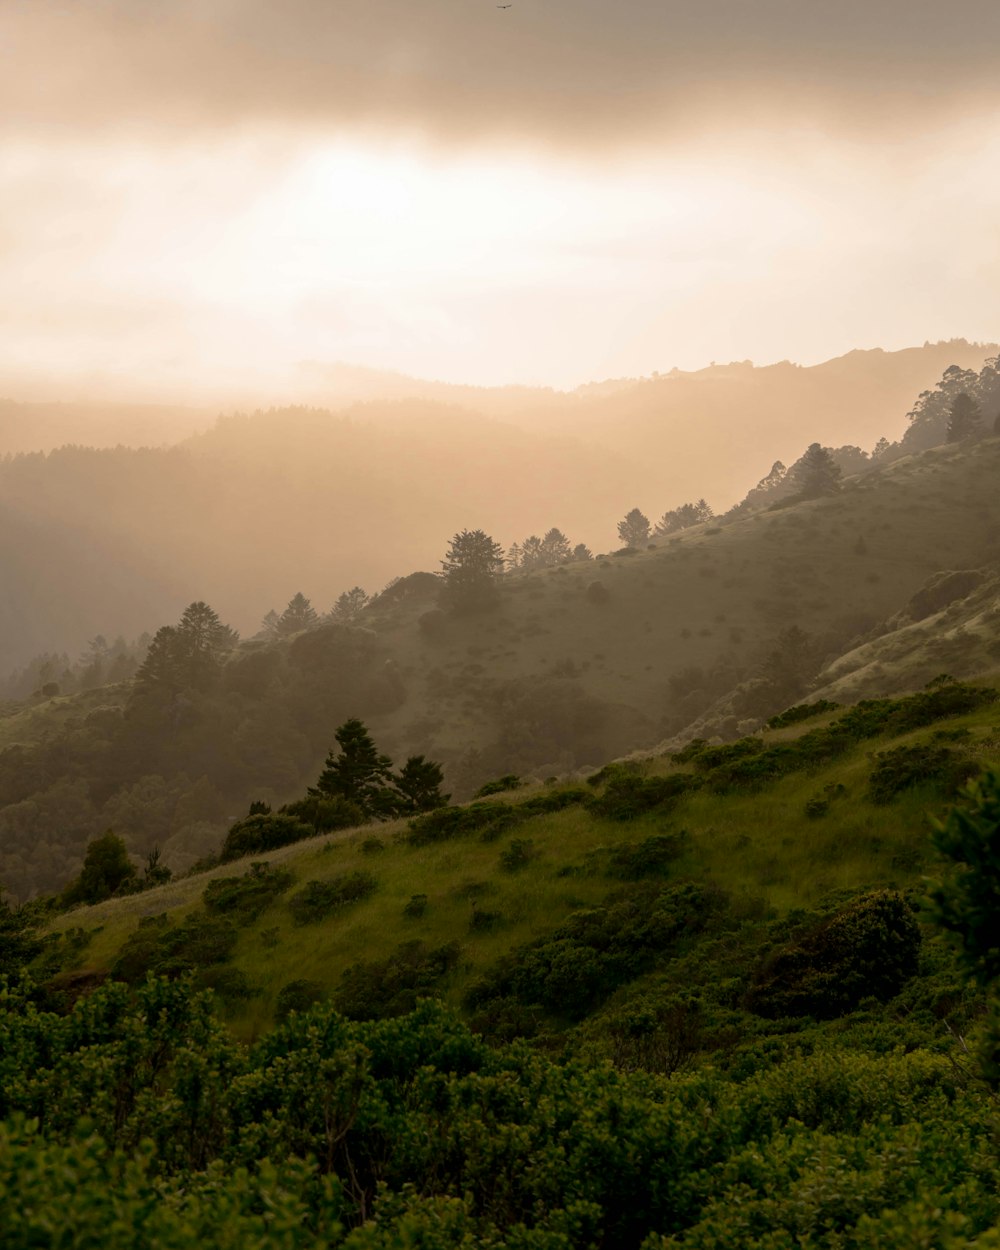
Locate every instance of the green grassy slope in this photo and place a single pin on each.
(751, 843)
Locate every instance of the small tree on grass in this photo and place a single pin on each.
(106, 869)
(419, 786)
(357, 773)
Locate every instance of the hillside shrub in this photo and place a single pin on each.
(801, 711)
(416, 906)
(231, 984)
(586, 958)
(318, 900)
(726, 753)
(597, 592)
(554, 800)
(869, 949)
(161, 948)
(518, 855)
(297, 996)
(627, 795)
(489, 820)
(391, 987)
(656, 1035)
(482, 920)
(688, 752)
(255, 835)
(243, 899)
(650, 858)
(902, 767)
(819, 804)
(325, 813)
(510, 781)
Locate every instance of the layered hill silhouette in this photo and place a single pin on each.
(874, 589)
(117, 539)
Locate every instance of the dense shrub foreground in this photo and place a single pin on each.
(137, 1120)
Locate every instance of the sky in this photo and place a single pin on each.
(201, 199)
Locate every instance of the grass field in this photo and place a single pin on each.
(760, 848)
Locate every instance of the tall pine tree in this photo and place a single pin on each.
(358, 773)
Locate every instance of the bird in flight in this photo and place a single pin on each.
(503, 6)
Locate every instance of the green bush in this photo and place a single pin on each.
(416, 907)
(489, 820)
(801, 711)
(392, 987)
(592, 953)
(651, 858)
(263, 832)
(510, 781)
(319, 899)
(518, 855)
(245, 898)
(627, 795)
(297, 996)
(901, 768)
(161, 948)
(868, 950)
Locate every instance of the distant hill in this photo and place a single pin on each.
(40, 426)
(260, 506)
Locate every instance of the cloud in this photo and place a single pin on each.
(566, 72)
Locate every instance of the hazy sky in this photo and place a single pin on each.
(196, 196)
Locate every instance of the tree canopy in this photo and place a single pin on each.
(817, 473)
(633, 529)
(472, 567)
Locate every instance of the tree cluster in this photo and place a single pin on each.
(471, 569)
(358, 774)
(188, 655)
(683, 518)
(544, 553)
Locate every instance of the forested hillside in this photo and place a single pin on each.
(707, 1001)
(709, 628)
(114, 540)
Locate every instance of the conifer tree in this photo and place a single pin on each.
(532, 553)
(160, 671)
(300, 614)
(633, 529)
(202, 640)
(964, 418)
(349, 606)
(817, 473)
(555, 546)
(357, 773)
(419, 786)
(472, 566)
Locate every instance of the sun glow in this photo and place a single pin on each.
(220, 269)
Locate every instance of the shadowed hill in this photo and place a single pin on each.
(573, 665)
